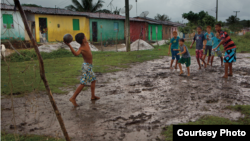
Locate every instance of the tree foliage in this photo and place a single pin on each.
(234, 23)
(117, 11)
(162, 17)
(202, 18)
(31, 5)
(104, 11)
(85, 6)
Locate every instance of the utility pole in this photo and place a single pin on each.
(136, 7)
(216, 10)
(236, 12)
(127, 26)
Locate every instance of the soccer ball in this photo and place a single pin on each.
(67, 38)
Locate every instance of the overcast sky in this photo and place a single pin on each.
(173, 8)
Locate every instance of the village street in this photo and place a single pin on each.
(135, 103)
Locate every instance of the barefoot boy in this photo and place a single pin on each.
(208, 35)
(200, 43)
(174, 43)
(88, 74)
(186, 58)
(229, 47)
(216, 40)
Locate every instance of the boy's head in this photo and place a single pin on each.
(199, 29)
(181, 41)
(218, 27)
(217, 35)
(175, 34)
(208, 28)
(80, 37)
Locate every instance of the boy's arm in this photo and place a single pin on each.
(176, 49)
(204, 42)
(183, 51)
(73, 51)
(221, 42)
(169, 48)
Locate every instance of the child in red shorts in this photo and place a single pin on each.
(200, 45)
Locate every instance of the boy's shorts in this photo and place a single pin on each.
(199, 53)
(209, 49)
(186, 61)
(88, 75)
(174, 54)
(218, 52)
(230, 56)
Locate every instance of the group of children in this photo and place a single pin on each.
(208, 42)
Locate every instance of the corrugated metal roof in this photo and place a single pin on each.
(162, 22)
(53, 11)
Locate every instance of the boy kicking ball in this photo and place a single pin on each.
(229, 47)
(200, 45)
(186, 58)
(216, 40)
(88, 74)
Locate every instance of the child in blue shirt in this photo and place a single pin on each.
(216, 40)
(174, 44)
(208, 36)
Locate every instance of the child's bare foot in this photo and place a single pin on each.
(73, 102)
(224, 76)
(205, 65)
(188, 75)
(230, 74)
(171, 68)
(95, 98)
(181, 73)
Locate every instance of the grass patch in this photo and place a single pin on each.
(62, 68)
(11, 137)
(213, 120)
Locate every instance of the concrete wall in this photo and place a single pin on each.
(18, 31)
(66, 26)
(159, 34)
(107, 29)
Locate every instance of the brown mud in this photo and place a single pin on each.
(136, 103)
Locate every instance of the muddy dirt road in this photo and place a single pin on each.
(135, 103)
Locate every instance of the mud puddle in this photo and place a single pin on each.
(136, 103)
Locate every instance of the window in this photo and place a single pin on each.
(8, 21)
(116, 27)
(76, 24)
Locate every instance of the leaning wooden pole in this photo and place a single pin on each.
(42, 72)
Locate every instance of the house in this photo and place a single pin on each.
(12, 26)
(138, 29)
(105, 26)
(167, 28)
(52, 23)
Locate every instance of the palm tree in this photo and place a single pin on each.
(85, 6)
(162, 17)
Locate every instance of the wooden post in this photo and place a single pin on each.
(127, 26)
(116, 40)
(42, 72)
(101, 41)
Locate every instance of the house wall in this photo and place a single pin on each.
(107, 29)
(18, 31)
(159, 34)
(166, 32)
(135, 30)
(66, 26)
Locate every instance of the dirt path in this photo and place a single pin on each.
(136, 103)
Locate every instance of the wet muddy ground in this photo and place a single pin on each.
(135, 103)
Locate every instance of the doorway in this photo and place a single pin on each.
(151, 33)
(94, 31)
(43, 28)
